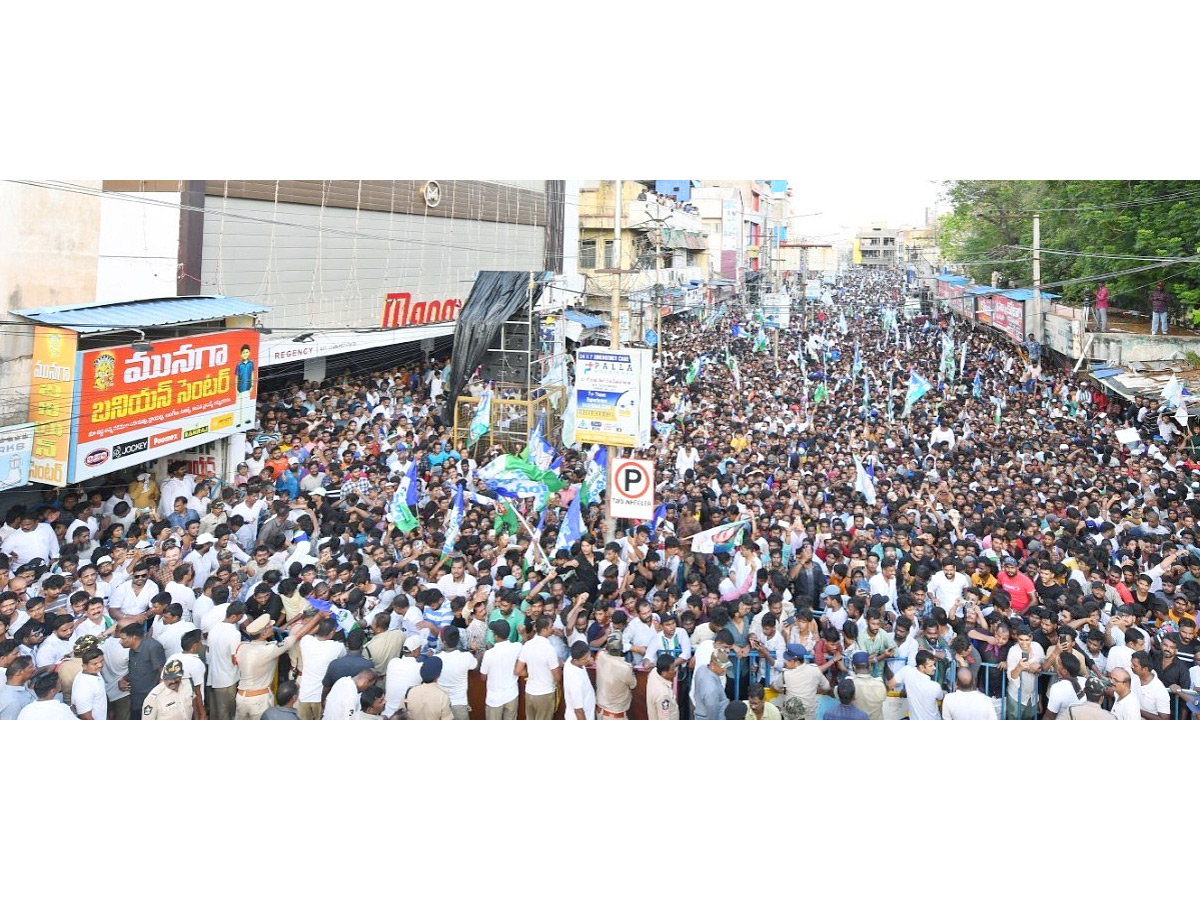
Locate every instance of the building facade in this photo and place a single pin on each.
(330, 276)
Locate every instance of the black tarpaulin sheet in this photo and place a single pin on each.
(495, 298)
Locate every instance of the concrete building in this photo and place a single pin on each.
(661, 264)
(877, 245)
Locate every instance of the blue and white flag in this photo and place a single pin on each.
(453, 521)
(572, 527)
(977, 389)
(660, 516)
(918, 387)
(481, 421)
(864, 483)
(538, 450)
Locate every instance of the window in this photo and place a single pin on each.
(610, 256)
(587, 254)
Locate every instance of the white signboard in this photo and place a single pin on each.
(16, 446)
(631, 488)
(612, 396)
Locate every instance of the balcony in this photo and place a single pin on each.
(640, 215)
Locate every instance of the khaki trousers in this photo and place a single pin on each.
(461, 713)
(540, 706)
(507, 711)
(309, 711)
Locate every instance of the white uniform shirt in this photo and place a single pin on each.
(578, 693)
(540, 662)
(498, 664)
(453, 680)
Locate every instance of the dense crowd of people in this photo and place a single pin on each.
(988, 549)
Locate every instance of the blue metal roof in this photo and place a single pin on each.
(1024, 294)
(585, 320)
(952, 279)
(979, 290)
(88, 318)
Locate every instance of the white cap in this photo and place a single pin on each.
(206, 539)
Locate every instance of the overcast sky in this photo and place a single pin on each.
(847, 203)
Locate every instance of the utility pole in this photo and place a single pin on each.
(610, 524)
(1036, 325)
(615, 328)
(658, 295)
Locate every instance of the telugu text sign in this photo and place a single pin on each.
(133, 407)
(51, 392)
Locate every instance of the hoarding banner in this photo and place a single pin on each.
(612, 394)
(133, 407)
(16, 447)
(51, 391)
(1009, 316)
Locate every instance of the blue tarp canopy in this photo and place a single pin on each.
(585, 320)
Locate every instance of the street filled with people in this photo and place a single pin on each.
(864, 510)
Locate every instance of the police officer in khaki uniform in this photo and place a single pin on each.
(258, 660)
(73, 665)
(173, 698)
(660, 690)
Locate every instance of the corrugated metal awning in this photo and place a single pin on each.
(585, 320)
(91, 318)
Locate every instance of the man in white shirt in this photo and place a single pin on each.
(47, 707)
(193, 665)
(403, 672)
(317, 651)
(578, 694)
(1152, 695)
(967, 704)
(458, 583)
(1127, 707)
(922, 691)
(946, 587)
(537, 662)
(343, 699)
(941, 434)
(456, 663)
(499, 667)
(640, 632)
(132, 598)
(223, 673)
(883, 583)
(27, 543)
(202, 558)
(88, 697)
